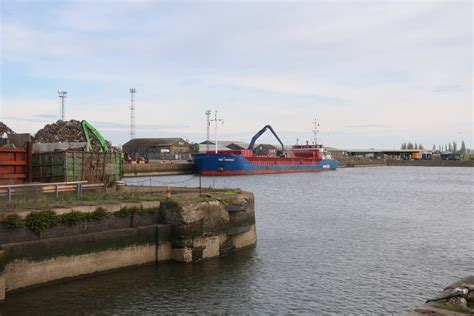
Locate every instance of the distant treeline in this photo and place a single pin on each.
(451, 147)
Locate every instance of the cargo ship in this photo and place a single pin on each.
(300, 158)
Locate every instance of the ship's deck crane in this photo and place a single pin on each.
(260, 132)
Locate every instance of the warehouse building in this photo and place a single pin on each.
(157, 148)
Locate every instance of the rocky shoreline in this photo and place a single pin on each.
(455, 299)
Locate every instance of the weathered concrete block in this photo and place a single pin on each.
(23, 273)
(210, 245)
(182, 255)
(188, 212)
(151, 204)
(165, 252)
(144, 220)
(245, 239)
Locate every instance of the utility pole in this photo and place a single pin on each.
(62, 95)
(208, 114)
(132, 112)
(216, 120)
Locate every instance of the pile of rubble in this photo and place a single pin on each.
(5, 129)
(61, 131)
(65, 132)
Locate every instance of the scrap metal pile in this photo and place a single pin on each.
(65, 131)
(61, 131)
(5, 129)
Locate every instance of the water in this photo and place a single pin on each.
(353, 241)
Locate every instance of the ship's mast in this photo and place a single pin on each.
(216, 120)
(316, 130)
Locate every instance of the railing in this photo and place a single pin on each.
(74, 186)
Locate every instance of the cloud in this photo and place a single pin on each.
(367, 126)
(396, 65)
(114, 126)
(448, 88)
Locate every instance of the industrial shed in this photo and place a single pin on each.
(157, 148)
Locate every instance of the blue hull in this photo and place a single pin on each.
(229, 164)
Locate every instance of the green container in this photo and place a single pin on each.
(69, 165)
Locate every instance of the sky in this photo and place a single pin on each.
(374, 73)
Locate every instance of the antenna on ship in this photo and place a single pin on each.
(132, 112)
(316, 130)
(216, 120)
(208, 114)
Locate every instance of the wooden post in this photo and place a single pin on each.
(200, 185)
(29, 161)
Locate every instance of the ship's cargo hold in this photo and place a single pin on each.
(13, 165)
(71, 165)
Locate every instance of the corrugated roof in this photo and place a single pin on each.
(153, 141)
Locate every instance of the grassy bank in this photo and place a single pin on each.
(129, 194)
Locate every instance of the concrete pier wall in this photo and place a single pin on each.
(183, 229)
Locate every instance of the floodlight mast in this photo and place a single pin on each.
(62, 95)
(132, 112)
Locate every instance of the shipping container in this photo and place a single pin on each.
(416, 155)
(13, 165)
(70, 165)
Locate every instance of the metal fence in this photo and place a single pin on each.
(8, 191)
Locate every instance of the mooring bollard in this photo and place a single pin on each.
(168, 192)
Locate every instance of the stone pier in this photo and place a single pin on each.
(39, 248)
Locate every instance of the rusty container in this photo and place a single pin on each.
(13, 165)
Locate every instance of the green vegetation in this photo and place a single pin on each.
(99, 214)
(453, 308)
(230, 192)
(39, 221)
(14, 221)
(42, 201)
(42, 220)
(201, 198)
(73, 218)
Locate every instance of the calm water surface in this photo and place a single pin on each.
(353, 241)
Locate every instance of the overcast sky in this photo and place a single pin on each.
(374, 73)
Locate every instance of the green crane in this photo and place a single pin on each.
(86, 126)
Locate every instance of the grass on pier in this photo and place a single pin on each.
(44, 201)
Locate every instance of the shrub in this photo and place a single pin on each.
(74, 217)
(99, 214)
(14, 221)
(42, 220)
(128, 211)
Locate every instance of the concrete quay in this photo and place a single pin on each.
(37, 248)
